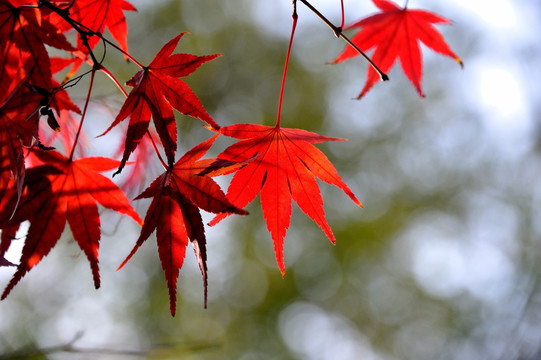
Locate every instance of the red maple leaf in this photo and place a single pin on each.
(174, 213)
(95, 15)
(19, 119)
(25, 30)
(284, 167)
(59, 191)
(396, 33)
(157, 89)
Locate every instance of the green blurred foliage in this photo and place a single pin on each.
(442, 262)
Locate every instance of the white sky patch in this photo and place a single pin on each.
(446, 267)
(16, 248)
(498, 93)
(495, 13)
(505, 24)
(502, 93)
(448, 257)
(314, 334)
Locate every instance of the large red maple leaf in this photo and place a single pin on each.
(59, 191)
(396, 33)
(284, 167)
(157, 89)
(177, 195)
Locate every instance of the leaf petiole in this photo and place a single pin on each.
(293, 26)
(83, 114)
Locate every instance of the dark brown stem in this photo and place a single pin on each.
(338, 33)
(85, 32)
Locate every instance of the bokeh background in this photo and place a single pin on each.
(443, 262)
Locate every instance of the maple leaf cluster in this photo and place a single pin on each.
(49, 188)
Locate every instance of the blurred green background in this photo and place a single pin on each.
(443, 262)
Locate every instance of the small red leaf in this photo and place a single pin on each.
(396, 33)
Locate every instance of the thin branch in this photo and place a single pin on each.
(338, 33)
(70, 348)
(85, 32)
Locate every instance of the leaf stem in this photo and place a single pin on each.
(294, 16)
(83, 114)
(342, 22)
(76, 26)
(85, 31)
(113, 79)
(338, 33)
(125, 53)
(157, 151)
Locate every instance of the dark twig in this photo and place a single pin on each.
(338, 33)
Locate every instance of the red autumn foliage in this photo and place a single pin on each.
(63, 190)
(396, 33)
(177, 195)
(284, 167)
(53, 188)
(157, 89)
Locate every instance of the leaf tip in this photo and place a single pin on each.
(215, 128)
(281, 266)
(219, 217)
(121, 265)
(172, 301)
